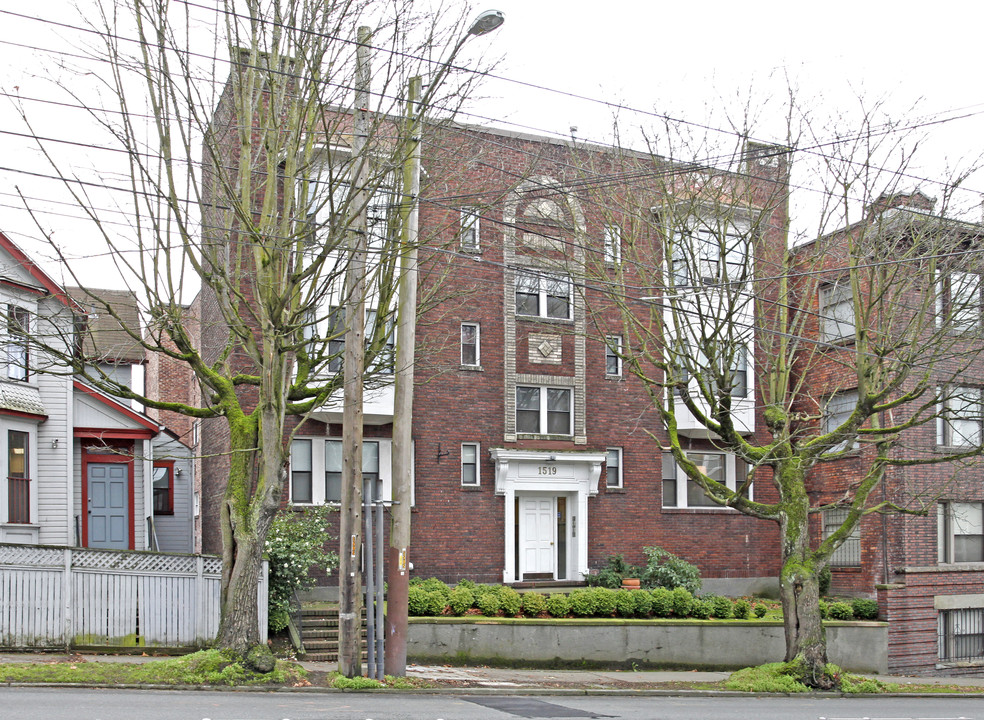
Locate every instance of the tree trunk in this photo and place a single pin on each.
(806, 639)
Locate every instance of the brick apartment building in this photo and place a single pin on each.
(927, 570)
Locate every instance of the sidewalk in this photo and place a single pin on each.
(510, 680)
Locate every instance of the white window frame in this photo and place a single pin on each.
(618, 455)
(18, 349)
(543, 411)
(702, 246)
(613, 353)
(469, 227)
(956, 520)
(836, 409)
(476, 464)
(849, 552)
(540, 285)
(319, 451)
(963, 314)
(960, 421)
(30, 430)
(612, 244)
(836, 312)
(478, 344)
(675, 477)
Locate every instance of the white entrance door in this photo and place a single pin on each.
(537, 536)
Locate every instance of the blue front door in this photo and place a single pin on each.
(109, 521)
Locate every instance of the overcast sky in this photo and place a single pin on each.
(688, 61)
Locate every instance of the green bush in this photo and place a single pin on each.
(662, 602)
(824, 609)
(664, 569)
(823, 580)
(294, 544)
(624, 603)
(742, 609)
(760, 610)
(701, 609)
(510, 601)
(435, 585)
(681, 600)
(840, 611)
(470, 584)
(489, 603)
(604, 601)
(461, 600)
(642, 601)
(534, 604)
(558, 605)
(721, 607)
(417, 601)
(583, 602)
(864, 609)
(611, 575)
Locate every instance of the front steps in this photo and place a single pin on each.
(319, 633)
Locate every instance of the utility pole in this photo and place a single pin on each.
(350, 525)
(397, 568)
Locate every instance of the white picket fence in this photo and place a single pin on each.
(52, 597)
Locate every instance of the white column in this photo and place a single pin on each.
(509, 571)
(581, 541)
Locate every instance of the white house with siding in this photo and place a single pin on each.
(77, 467)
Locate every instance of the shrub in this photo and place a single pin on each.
(510, 601)
(417, 601)
(721, 607)
(437, 602)
(604, 601)
(701, 609)
(470, 584)
(760, 610)
(681, 600)
(664, 569)
(461, 600)
(624, 603)
(295, 543)
(662, 602)
(435, 585)
(611, 575)
(583, 602)
(824, 609)
(489, 603)
(840, 611)
(642, 602)
(864, 609)
(823, 580)
(534, 604)
(558, 605)
(742, 609)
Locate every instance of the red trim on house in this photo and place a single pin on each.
(108, 434)
(94, 458)
(169, 464)
(21, 414)
(117, 405)
(38, 274)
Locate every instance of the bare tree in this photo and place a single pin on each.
(267, 223)
(848, 349)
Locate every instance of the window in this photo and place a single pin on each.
(706, 257)
(739, 368)
(469, 464)
(960, 424)
(539, 295)
(310, 457)
(739, 374)
(682, 492)
(300, 471)
(18, 327)
(836, 312)
(613, 244)
(836, 411)
(383, 343)
(960, 532)
(469, 229)
(544, 411)
(18, 477)
(849, 553)
(336, 342)
(613, 355)
(961, 634)
(470, 344)
(163, 488)
(958, 301)
(613, 467)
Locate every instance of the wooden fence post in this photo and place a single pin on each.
(68, 606)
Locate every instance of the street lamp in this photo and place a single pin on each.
(398, 564)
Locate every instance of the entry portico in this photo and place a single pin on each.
(546, 511)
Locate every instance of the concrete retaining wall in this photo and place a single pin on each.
(857, 646)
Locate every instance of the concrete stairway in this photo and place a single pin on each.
(319, 633)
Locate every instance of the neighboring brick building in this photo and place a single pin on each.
(926, 570)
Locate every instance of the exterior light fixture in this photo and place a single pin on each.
(486, 22)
